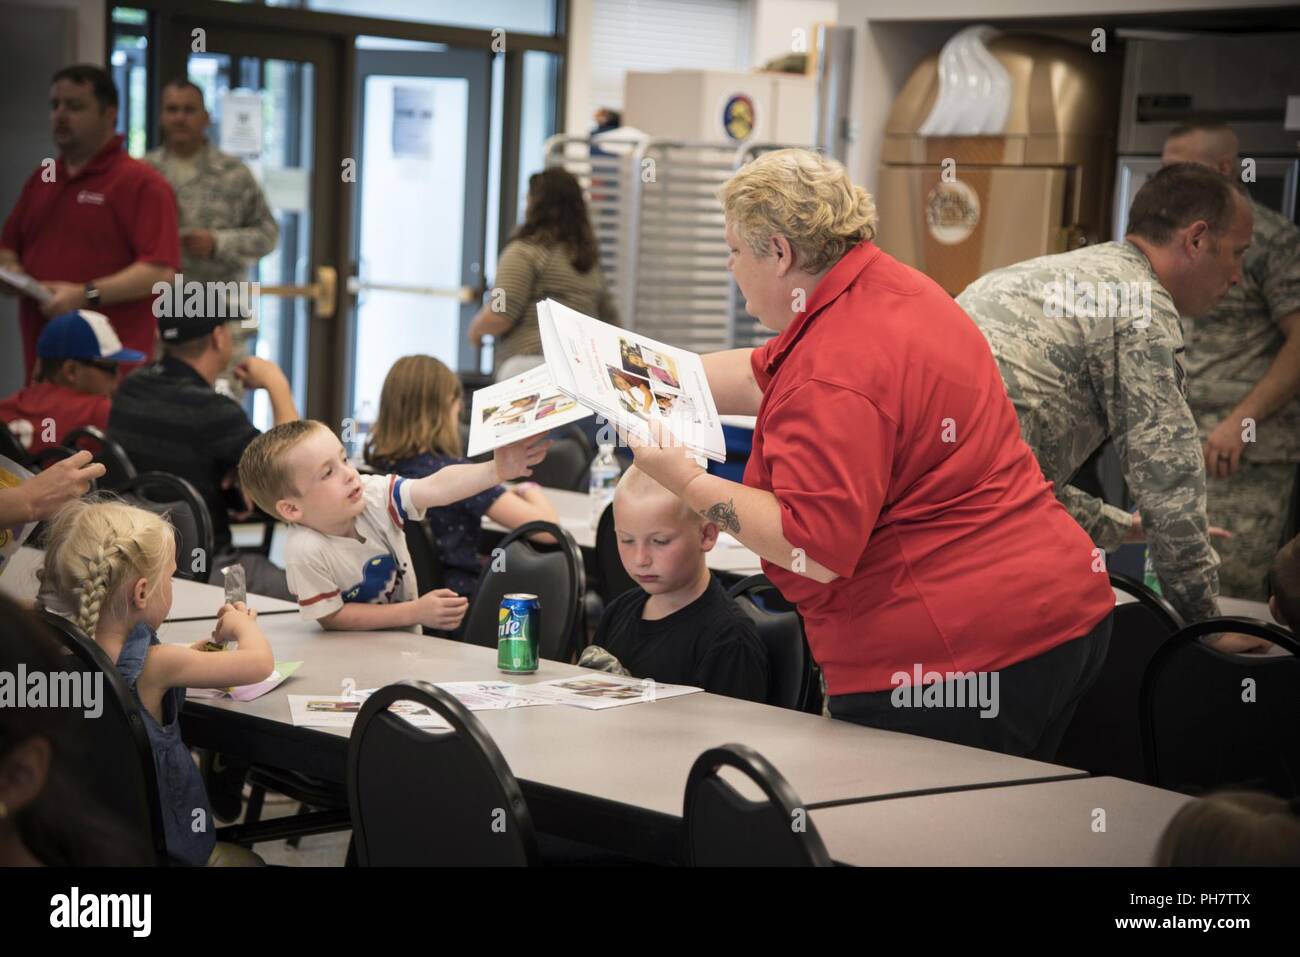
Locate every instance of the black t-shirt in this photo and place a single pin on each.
(168, 419)
(710, 644)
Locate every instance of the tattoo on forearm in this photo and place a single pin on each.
(723, 514)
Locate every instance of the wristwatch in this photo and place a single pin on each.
(92, 294)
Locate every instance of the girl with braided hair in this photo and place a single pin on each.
(108, 568)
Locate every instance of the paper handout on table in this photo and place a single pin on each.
(11, 539)
(520, 407)
(283, 669)
(630, 379)
(25, 284)
(340, 711)
(479, 695)
(601, 690)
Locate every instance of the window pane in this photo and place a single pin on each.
(537, 120)
(526, 16)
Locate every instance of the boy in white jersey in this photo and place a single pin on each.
(346, 554)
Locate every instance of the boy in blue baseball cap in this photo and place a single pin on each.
(78, 357)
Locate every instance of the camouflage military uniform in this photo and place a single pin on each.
(1075, 380)
(221, 195)
(1228, 352)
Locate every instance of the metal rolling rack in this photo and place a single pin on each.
(659, 228)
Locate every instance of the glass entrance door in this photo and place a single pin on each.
(419, 210)
(272, 106)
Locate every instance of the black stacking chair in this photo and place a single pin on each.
(1105, 735)
(792, 675)
(1213, 720)
(425, 559)
(177, 500)
(48, 456)
(724, 829)
(568, 462)
(432, 797)
(106, 451)
(553, 574)
(39, 462)
(614, 579)
(12, 449)
(112, 751)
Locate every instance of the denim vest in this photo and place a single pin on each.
(180, 788)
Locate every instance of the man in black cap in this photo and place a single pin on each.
(170, 418)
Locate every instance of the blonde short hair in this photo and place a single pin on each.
(95, 549)
(805, 197)
(264, 466)
(637, 485)
(1233, 828)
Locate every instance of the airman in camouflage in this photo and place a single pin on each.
(1243, 375)
(1090, 347)
(225, 222)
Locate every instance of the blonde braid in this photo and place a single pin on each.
(92, 591)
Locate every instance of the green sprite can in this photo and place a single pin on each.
(519, 625)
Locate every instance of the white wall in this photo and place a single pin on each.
(774, 23)
(888, 48)
(771, 25)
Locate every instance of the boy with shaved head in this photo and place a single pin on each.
(679, 626)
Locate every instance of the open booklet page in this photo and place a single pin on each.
(340, 711)
(631, 379)
(522, 406)
(601, 690)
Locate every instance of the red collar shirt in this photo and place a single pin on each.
(886, 435)
(43, 414)
(115, 212)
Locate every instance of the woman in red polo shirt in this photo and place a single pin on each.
(889, 492)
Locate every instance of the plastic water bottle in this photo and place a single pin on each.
(1149, 576)
(361, 430)
(605, 471)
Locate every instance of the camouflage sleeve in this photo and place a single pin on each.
(1105, 524)
(259, 232)
(1279, 268)
(1140, 378)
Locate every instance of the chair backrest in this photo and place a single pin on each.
(118, 469)
(1105, 734)
(722, 828)
(11, 448)
(614, 579)
(568, 462)
(458, 802)
(176, 499)
(426, 561)
(111, 750)
(554, 575)
(48, 456)
(791, 673)
(1212, 720)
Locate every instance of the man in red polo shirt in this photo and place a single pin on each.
(95, 227)
(944, 590)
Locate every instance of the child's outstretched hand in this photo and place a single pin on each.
(442, 608)
(518, 458)
(231, 620)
